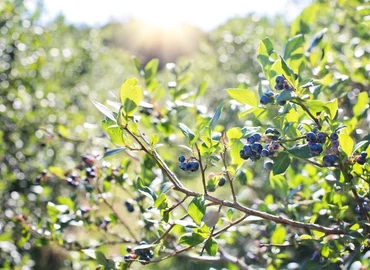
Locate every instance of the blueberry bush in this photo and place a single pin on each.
(274, 176)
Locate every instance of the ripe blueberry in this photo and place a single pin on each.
(129, 206)
(265, 153)
(181, 158)
(315, 148)
(264, 100)
(334, 136)
(311, 137)
(321, 137)
(279, 80)
(193, 166)
(257, 147)
(221, 182)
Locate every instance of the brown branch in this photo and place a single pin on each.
(318, 124)
(230, 225)
(229, 178)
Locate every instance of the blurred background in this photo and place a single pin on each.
(57, 55)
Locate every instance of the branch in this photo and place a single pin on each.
(317, 122)
(202, 169)
(229, 178)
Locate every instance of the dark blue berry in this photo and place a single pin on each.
(129, 249)
(257, 136)
(264, 99)
(315, 148)
(221, 182)
(272, 133)
(279, 80)
(265, 153)
(193, 166)
(334, 136)
(257, 147)
(321, 137)
(268, 165)
(247, 150)
(363, 154)
(181, 158)
(184, 166)
(243, 155)
(255, 157)
(279, 87)
(144, 258)
(129, 206)
(335, 144)
(275, 146)
(251, 139)
(311, 137)
(128, 257)
(360, 159)
(330, 160)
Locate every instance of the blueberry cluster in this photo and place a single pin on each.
(282, 83)
(187, 165)
(315, 140)
(366, 204)
(254, 150)
(361, 158)
(332, 157)
(129, 206)
(142, 252)
(72, 181)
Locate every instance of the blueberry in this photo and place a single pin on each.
(334, 136)
(255, 157)
(221, 182)
(311, 137)
(335, 144)
(265, 153)
(129, 249)
(129, 206)
(193, 166)
(257, 137)
(264, 100)
(251, 139)
(288, 87)
(247, 150)
(279, 80)
(128, 257)
(363, 154)
(360, 160)
(150, 254)
(275, 146)
(279, 87)
(144, 258)
(315, 148)
(184, 166)
(268, 165)
(321, 137)
(243, 155)
(272, 133)
(330, 160)
(257, 147)
(181, 158)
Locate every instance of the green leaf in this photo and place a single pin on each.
(293, 45)
(151, 69)
(281, 163)
(229, 214)
(300, 151)
(114, 151)
(160, 202)
(286, 95)
(131, 95)
(137, 63)
(211, 247)
(346, 143)
(359, 145)
(302, 22)
(325, 251)
(196, 209)
(202, 88)
(315, 106)
(316, 39)
(100, 258)
(278, 236)
(264, 51)
(116, 135)
(217, 115)
(187, 131)
(288, 72)
(332, 107)
(56, 171)
(191, 239)
(362, 104)
(244, 96)
(104, 110)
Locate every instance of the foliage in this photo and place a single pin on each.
(138, 201)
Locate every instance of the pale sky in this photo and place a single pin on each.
(205, 14)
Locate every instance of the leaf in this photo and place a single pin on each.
(151, 69)
(114, 151)
(325, 251)
(243, 96)
(131, 95)
(286, 95)
(315, 106)
(196, 209)
(56, 171)
(100, 258)
(160, 202)
(137, 63)
(217, 115)
(278, 236)
(264, 51)
(166, 187)
(300, 151)
(281, 163)
(316, 39)
(294, 44)
(229, 214)
(358, 146)
(332, 107)
(202, 88)
(116, 135)
(187, 131)
(211, 247)
(362, 104)
(191, 239)
(104, 110)
(346, 143)
(289, 74)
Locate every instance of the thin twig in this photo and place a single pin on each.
(318, 124)
(202, 170)
(229, 178)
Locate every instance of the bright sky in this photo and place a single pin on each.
(205, 14)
